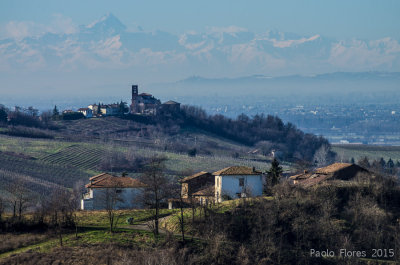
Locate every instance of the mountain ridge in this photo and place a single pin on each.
(324, 76)
(107, 47)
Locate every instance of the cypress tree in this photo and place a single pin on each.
(3, 115)
(390, 166)
(56, 113)
(275, 172)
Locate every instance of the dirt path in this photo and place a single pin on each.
(146, 226)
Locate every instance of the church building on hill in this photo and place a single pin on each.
(147, 104)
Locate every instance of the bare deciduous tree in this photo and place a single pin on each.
(109, 199)
(322, 156)
(61, 208)
(20, 197)
(159, 187)
(1, 209)
(79, 189)
(46, 118)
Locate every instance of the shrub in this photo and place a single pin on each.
(72, 116)
(20, 131)
(192, 152)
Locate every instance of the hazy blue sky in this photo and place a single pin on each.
(80, 47)
(335, 18)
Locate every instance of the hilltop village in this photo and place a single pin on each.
(141, 104)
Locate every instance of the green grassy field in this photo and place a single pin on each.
(371, 151)
(31, 147)
(99, 218)
(92, 229)
(124, 237)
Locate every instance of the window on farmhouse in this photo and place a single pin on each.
(241, 182)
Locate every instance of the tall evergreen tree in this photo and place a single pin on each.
(99, 109)
(382, 162)
(390, 166)
(364, 162)
(3, 115)
(56, 113)
(122, 107)
(274, 173)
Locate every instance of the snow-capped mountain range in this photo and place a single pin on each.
(230, 51)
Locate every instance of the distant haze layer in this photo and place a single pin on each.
(103, 58)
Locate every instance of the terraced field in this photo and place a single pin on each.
(51, 162)
(53, 159)
(179, 162)
(59, 174)
(76, 156)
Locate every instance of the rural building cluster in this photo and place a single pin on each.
(225, 184)
(205, 188)
(141, 104)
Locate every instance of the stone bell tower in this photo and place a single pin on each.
(135, 93)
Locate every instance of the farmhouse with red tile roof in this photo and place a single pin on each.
(237, 182)
(336, 171)
(126, 189)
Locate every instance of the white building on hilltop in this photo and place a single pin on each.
(106, 190)
(87, 112)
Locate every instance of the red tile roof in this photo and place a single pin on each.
(301, 176)
(170, 102)
(202, 173)
(314, 179)
(333, 171)
(237, 170)
(99, 176)
(106, 180)
(323, 170)
(207, 191)
(333, 168)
